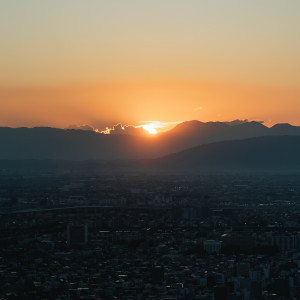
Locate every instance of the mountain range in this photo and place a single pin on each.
(69, 144)
(268, 153)
(193, 144)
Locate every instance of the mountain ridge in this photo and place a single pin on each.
(76, 144)
(258, 153)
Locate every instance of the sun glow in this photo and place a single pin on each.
(150, 128)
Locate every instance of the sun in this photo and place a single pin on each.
(150, 128)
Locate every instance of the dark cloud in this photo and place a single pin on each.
(238, 122)
(82, 127)
(124, 129)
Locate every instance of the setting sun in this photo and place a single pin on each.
(150, 128)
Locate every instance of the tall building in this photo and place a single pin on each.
(286, 242)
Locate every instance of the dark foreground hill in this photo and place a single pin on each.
(269, 153)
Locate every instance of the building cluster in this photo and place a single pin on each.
(207, 237)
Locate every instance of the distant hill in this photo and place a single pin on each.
(193, 133)
(279, 153)
(70, 144)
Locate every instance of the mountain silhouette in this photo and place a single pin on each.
(70, 144)
(193, 133)
(279, 153)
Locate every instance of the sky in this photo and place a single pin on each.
(100, 62)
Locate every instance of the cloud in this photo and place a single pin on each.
(123, 129)
(159, 124)
(197, 108)
(136, 129)
(82, 127)
(238, 122)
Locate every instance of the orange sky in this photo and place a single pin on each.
(133, 102)
(104, 62)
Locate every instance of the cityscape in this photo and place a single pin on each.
(93, 235)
